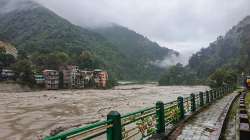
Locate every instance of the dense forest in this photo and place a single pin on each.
(138, 50)
(222, 61)
(49, 41)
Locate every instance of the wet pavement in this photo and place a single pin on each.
(205, 125)
(31, 115)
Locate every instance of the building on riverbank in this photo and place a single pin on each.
(72, 77)
(39, 78)
(101, 78)
(51, 78)
(87, 77)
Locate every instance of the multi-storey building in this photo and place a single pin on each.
(101, 78)
(72, 77)
(51, 79)
(66, 76)
(87, 76)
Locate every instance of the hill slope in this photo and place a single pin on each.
(133, 44)
(33, 28)
(139, 50)
(231, 51)
(36, 29)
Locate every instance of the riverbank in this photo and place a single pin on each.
(13, 87)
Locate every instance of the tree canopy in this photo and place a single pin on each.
(223, 76)
(178, 75)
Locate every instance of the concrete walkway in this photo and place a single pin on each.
(206, 125)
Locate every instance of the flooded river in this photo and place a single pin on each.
(30, 115)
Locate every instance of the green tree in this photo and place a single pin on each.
(222, 76)
(22, 54)
(87, 60)
(23, 69)
(178, 75)
(62, 58)
(49, 61)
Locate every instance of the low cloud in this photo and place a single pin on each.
(171, 21)
(7, 6)
(171, 60)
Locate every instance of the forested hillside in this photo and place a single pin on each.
(222, 61)
(139, 50)
(133, 44)
(49, 41)
(231, 51)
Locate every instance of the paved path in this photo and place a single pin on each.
(203, 126)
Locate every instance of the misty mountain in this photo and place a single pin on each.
(230, 51)
(36, 29)
(138, 49)
(132, 44)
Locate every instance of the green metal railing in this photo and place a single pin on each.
(146, 122)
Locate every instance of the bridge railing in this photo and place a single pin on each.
(87, 132)
(146, 122)
(139, 124)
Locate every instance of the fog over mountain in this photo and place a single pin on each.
(7, 6)
(185, 26)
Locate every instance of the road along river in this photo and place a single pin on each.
(30, 115)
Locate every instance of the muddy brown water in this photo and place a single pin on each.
(30, 115)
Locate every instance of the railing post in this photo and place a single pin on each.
(193, 105)
(207, 97)
(160, 117)
(201, 99)
(181, 107)
(114, 132)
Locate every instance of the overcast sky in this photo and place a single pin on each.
(183, 25)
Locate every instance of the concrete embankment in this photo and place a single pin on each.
(232, 124)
